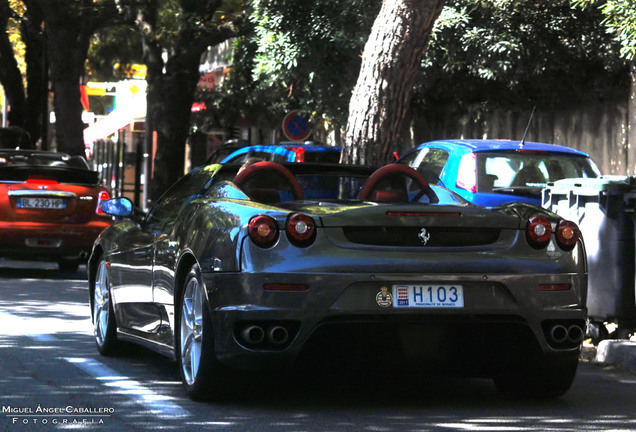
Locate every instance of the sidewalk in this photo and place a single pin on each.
(621, 353)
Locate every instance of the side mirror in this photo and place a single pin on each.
(121, 207)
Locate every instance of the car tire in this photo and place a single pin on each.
(104, 322)
(202, 374)
(543, 381)
(68, 266)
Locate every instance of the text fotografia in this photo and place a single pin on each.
(57, 415)
(56, 420)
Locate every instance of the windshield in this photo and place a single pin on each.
(331, 186)
(19, 158)
(529, 170)
(335, 187)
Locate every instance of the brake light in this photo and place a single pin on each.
(555, 287)
(263, 231)
(531, 151)
(467, 173)
(41, 181)
(299, 153)
(395, 213)
(103, 196)
(301, 229)
(567, 234)
(538, 231)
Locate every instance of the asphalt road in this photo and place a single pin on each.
(51, 378)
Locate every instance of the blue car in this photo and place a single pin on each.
(286, 152)
(494, 172)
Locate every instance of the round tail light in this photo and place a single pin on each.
(301, 229)
(263, 231)
(567, 234)
(538, 231)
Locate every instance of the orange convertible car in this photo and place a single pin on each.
(49, 207)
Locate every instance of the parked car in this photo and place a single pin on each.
(226, 148)
(288, 152)
(49, 207)
(494, 172)
(338, 265)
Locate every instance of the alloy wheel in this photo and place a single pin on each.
(191, 330)
(101, 304)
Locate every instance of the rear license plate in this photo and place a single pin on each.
(428, 296)
(42, 203)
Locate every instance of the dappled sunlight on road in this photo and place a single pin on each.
(15, 325)
(48, 357)
(59, 305)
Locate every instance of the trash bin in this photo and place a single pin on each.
(604, 210)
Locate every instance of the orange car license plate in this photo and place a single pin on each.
(428, 296)
(42, 203)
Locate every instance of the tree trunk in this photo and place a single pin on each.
(69, 26)
(390, 66)
(67, 45)
(630, 145)
(10, 76)
(31, 30)
(170, 92)
(170, 99)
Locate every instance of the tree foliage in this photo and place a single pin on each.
(174, 35)
(117, 45)
(306, 53)
(620, 21)
(523, 53)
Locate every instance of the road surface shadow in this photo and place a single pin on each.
(10, 269)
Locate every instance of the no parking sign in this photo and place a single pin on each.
(295, 127)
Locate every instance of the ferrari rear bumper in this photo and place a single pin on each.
(273, 319)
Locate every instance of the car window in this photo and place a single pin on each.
(516, 169)
(434, 160)
(431, 159)
(237, 159)
(218, 155)
(180, 194)
(322, 156)
(409, 159)
(273, 157)
(260, 154)
(331, 186)
(42, 159)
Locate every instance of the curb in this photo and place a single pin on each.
(617, 352)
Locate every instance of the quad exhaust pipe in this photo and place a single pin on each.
(277, 335)
(575, 334)
(253, 334)
(274, 335)
(560, 334)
